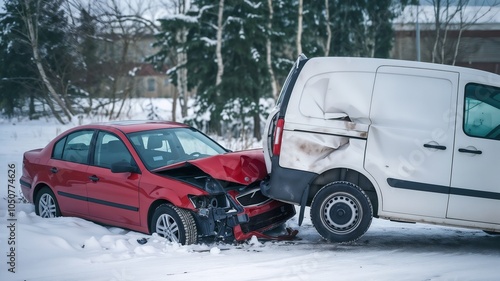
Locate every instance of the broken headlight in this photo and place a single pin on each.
(210, 201)
(213, 186)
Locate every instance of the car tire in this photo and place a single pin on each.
(341, 212)
(46, 205)
(174, 224)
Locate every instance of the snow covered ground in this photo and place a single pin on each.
(69, 248)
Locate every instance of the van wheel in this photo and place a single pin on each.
(341, 212)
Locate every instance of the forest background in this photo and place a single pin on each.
(224, 57)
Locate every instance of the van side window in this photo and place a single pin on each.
(482, 111)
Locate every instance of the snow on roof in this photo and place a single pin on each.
(469, 14)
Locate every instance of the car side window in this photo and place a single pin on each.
(58, 149)
(482, 111)
(74, 147)
(109, 149)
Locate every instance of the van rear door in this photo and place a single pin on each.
(410, 141)
(475, 181)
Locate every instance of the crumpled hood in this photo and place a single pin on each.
(243, 167)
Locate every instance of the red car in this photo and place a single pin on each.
(149, 176)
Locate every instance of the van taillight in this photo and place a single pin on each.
(278, 134)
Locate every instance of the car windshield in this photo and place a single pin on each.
(158, 148)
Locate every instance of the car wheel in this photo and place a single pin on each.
(175, 224)
(46, 204)
(341, 212)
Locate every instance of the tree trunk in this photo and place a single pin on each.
(256, 126)
(174, 104)
(182, 87)
(437, 24)
(328, 29)
(32, 107)
(33, 39)
(215, 113)
(52, 108)
(299, 27)
(218, 48)
(274, 87)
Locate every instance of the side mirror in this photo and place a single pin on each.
(124, 167)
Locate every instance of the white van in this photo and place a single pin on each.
(356, 138)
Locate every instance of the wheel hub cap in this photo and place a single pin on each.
(47, 206)
(168, 228)
(341, 213)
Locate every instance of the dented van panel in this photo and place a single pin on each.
(325, 102)
(309, 149)
(318, 152)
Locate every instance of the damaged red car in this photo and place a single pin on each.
(152, 177)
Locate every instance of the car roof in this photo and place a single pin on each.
(129, 126)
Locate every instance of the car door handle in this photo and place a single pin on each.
(465, 150)
(94, 178)
(54, 170)
(440, 147)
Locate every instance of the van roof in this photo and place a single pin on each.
(332, 64)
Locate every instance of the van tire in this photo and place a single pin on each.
(341, 212)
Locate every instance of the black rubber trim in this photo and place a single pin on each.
(328, 134)
(98, 201)
(411, 185)
(25, 183)
(403, 184)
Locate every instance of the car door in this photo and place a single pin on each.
(68, 171)
(112, 196)
(475, 183)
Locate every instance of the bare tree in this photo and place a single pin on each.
(468, 19)
(122, 24)
(30, 19)
(274, 87)
(218, 46)
(454, 16)
(299, 27)
(328, 29)
(181, 56)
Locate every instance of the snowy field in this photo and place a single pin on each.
(69, 248)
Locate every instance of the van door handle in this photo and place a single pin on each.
(440, 147)
(53, 170)
(465, 150)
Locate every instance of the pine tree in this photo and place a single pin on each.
(246, 32)
(18, 79)
(41, 27)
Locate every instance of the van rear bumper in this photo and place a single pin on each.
(286, 184)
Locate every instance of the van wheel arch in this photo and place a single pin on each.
(347, 175)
